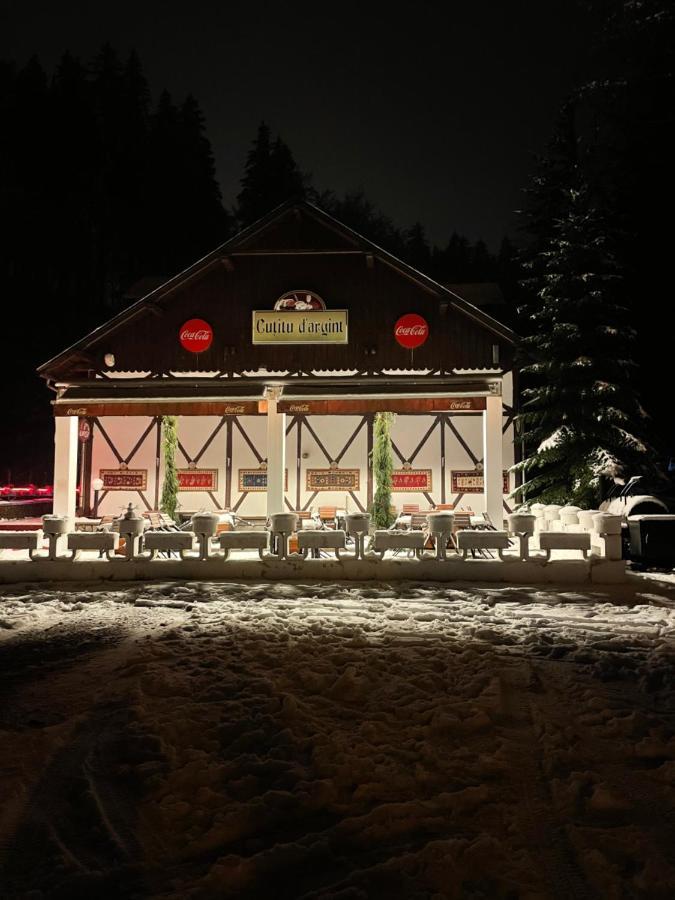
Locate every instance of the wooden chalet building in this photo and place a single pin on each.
(275, 351)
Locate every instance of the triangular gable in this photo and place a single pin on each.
(293, 227)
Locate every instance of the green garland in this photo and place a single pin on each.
(383, 467)
(170, 485)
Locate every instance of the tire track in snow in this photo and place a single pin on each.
(544, 833)
(75, 814)
(78, 819)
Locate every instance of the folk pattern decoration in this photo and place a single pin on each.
(471, 482)
(197, 479)
(333, 479)
(124, 479)
(255, 480)
(408, 480)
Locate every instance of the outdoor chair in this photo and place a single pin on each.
(461, 522)
(328, 516)
(308, 521)
(418, 521)
(160, 522)
(404, 519)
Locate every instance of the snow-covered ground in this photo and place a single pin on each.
(343, 741)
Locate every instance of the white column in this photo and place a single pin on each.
(276, 453)
(492, 461)
(65, 465)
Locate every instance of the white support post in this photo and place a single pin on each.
(65, 466)
(276, 453)
(492, 461)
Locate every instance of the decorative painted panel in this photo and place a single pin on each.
(124, 479)
(407, 480)
(197, 479)
(333, 479)
(471, 482)
(254, 480)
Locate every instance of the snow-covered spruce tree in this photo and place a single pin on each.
(383, 466)
(169, 500)
(580, 414)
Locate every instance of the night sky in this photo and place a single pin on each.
(434, 110)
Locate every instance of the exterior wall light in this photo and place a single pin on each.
(109, 359)
(97, 484)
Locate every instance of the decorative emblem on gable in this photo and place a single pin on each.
(299, 301)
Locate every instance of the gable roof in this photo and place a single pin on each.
(240, 242)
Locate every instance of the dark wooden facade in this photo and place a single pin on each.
(296, 247)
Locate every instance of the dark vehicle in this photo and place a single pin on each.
(635, 498)
(652, 540)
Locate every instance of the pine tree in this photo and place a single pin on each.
(200, 198)
(452, 264)
(271, 176)
(580, 411)
(383, 467)
(169, 500)
(417, 251)
(547, 196)
(483, 264)
(355, 210)
(629, 103)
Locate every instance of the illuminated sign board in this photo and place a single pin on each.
(313, 326)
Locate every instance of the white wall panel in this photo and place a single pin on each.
(124, 432)
(334, 432)
(193, 433)
(254, 503)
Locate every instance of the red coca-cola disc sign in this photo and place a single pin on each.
(196, 335)
(411, 331)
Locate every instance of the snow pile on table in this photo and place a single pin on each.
(227, 740)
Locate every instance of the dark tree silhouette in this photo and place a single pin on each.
(417, 250)
(98, 190)
(271, 176)
(356, 211)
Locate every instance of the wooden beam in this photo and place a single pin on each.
(160, 408)
(367, 405)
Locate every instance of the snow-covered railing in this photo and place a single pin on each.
(531, 536)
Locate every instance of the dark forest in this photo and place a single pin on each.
(106, 191)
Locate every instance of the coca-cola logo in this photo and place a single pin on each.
(195, 335)
(411, 331)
